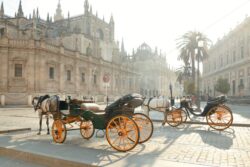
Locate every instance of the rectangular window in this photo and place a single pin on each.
(94, 78)
(83, 77)
(51, 73)
(234, 56)
(248, 82)
(242, 52)
(130, 83)
(241, 82)
(68, 75)
(227, 58)
(18, 70)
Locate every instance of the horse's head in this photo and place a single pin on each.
(35, 103)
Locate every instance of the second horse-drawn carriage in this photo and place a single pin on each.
(218, 115)
(124, 128)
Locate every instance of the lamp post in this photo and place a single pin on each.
(171, 94)
(200, 45)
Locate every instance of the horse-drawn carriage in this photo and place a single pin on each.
(218, 115)
(124, 128)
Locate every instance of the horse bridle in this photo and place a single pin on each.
(35, 106)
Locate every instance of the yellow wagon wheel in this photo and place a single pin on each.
(145, 126)
(87, 129)
(174, 117)
(59, 131)
(219, 118)
(119, 132)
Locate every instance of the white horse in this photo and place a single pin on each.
(49, 105)
(160, 104)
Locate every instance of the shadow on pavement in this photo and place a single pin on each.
(74, 149)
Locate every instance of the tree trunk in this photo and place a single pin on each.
(193, 66)
(198, 80)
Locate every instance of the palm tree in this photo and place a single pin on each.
(183, 73)
(188, 45)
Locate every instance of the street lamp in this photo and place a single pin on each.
(200, 46)
(171, 94)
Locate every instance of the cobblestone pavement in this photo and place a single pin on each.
(187, 145)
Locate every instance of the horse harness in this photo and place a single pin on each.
(40, 100)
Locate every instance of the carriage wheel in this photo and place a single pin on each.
(174, 117)
(119, 132)
(219, 118)
(145, 126)
(183, 115)
(59, 131)
(87, 129)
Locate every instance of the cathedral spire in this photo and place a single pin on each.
(58, 15)
(48, 17)
(68, 23)
(111, 21)
(90, 10)
(2, 10)
(86, 7)
(37, 13)
(20, 10)
(122, 47)
(34, 14)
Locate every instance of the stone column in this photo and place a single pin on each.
(2, 100)
(29, 100)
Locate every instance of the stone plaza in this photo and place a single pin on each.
(189, 145)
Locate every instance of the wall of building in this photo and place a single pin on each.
(230, 58)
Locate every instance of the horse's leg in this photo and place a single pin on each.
(40, 123)
(47, 122)
(165, 118)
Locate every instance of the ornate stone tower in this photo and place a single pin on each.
(112, 28)
(58, 15)
(2, 10)
(20, 10)
(87, 14)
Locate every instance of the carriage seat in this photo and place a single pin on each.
(91, 107)
(216, 100)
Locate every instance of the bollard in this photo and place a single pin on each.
(2, 100)
(30, 100)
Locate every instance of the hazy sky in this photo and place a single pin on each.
(156, 22)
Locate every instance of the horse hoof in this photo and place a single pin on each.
(38, 133)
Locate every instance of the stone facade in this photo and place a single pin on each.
(67, 56)
(230, 58)
(155, 75)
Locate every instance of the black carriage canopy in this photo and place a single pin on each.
(129, 101)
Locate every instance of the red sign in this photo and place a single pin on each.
(106, 78)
